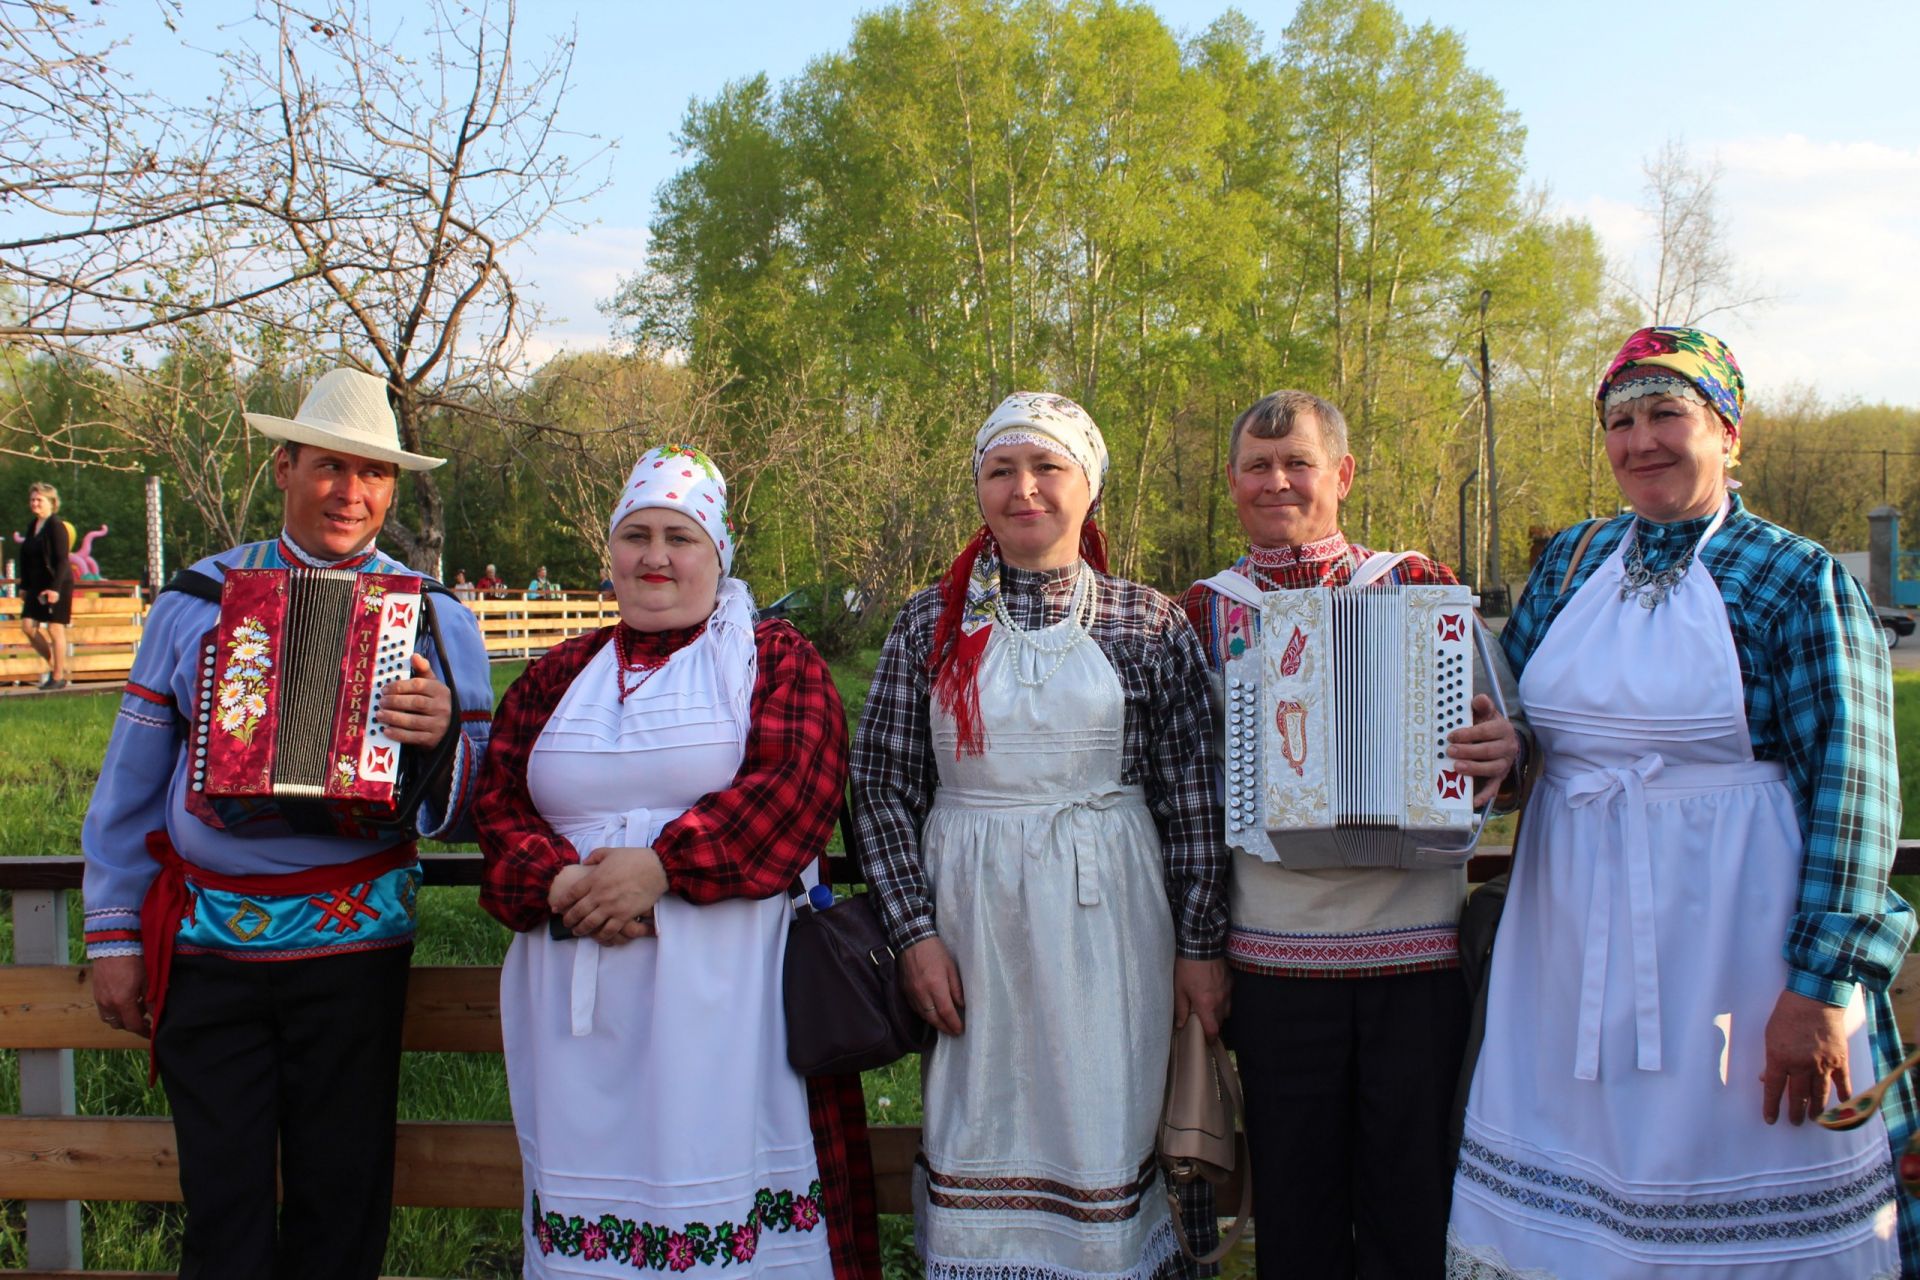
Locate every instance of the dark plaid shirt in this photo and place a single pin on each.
(1165, 748)
(747, 841)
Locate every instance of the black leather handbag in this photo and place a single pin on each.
(845, 1009)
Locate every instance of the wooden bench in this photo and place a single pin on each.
(101, 639)
(528, 628)
(51, 1158)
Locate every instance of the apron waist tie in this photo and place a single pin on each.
(1062, 816)
(634, 827)
(1630, 783)
(1600, 786)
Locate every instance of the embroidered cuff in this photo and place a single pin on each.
(459, 786)
(1834, 991)
(112, 931)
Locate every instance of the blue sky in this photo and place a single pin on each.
(1811, 110)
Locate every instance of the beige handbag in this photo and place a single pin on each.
(1199, 1130)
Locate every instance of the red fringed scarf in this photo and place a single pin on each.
(954, 662)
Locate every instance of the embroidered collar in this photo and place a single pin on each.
(1331, 547)
(290, 552)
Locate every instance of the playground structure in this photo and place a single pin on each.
(85, 567)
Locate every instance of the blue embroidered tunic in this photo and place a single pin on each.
(1819, 699)
(142, 786)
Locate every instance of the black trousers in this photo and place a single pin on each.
(1349, 1086)
(292, 1067)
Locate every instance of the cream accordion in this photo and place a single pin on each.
(1337, 724)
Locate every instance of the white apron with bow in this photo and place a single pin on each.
(1050, 891)
(1614, 1126)
(651, 1092)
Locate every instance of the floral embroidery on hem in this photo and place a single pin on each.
(648, 1246)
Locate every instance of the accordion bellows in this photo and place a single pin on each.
(1337, 724)
(284, 733)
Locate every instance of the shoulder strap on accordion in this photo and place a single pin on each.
(433, 759)
(1375, 568)
(1233, 586)
(196, 584)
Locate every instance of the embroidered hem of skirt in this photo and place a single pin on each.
(1154, 1262)
(1486, 1262)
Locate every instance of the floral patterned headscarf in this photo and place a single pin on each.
(1695, 355)
(680, 478)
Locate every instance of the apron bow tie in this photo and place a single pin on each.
(1601, 786)
(628, 828)
(1086, 850)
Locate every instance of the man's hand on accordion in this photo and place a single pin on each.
(1488, 748)
(417, 711)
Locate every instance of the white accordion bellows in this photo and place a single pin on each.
(1337, 728)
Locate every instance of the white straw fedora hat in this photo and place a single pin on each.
(346, 410)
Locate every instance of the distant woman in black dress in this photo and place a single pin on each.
(46, 583)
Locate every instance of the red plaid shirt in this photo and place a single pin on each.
(748, 841)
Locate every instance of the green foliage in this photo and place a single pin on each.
(973, 197)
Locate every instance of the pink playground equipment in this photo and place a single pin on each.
(85, 567)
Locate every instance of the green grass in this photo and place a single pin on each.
(50, 752)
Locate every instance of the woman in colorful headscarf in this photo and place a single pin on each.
(652, 791)
(1699, 935)
(1032, 789)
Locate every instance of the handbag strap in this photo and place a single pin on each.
(849, 840)
(1229, 1078)
(1579, 551)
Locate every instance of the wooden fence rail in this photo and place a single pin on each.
(51, 1158)
(105, 631)
(101, 638)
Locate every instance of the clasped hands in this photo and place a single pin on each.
(611, 895)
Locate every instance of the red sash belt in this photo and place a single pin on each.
(168, 901)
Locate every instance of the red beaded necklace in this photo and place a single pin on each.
(626, 662)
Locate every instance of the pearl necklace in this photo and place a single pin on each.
(1079, 616)
(625, 662)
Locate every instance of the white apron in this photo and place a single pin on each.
(650, 1085)
(1047, 876)
(1614, 1124)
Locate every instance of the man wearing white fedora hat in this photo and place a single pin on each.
(289, 1068)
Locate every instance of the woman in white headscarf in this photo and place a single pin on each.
(1033, 796)
(652, 791)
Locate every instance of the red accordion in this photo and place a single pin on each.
(284, 734)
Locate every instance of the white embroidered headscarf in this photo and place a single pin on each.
(678, 477)
(1052, 422)
(966, 616)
